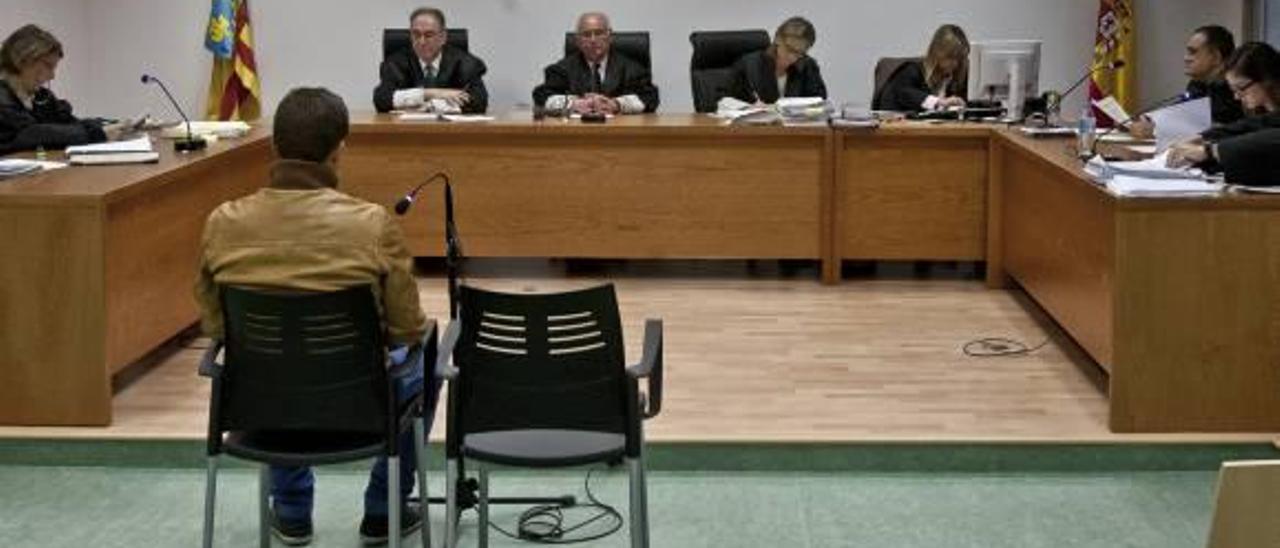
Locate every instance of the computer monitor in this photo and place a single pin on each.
(1006, 71)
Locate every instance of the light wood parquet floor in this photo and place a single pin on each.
(763, 353)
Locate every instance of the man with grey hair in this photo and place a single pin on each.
(596, 79)
(431, 75)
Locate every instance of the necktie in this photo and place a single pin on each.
(596, 84)
(428, 76)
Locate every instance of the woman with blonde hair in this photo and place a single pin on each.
(784, 69)
(937, 82)
(31, 116)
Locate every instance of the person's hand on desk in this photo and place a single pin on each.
(950, 102)
(116, 130)
(1142, 128)
(1187, 153)
(601, 103)
(455, 97)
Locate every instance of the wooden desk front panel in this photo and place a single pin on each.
(153, 243)
(51, 321)
(1058, 242)
(904, 196)
(704, 193)
(1197, 319)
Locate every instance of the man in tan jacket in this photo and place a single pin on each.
(301, 233)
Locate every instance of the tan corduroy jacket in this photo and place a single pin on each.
(302, 233)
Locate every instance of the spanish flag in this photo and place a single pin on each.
(234, 93)
(1115, 40)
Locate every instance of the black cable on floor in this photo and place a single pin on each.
(544, 524)
(990, 347)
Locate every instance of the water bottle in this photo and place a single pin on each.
(1086, 132)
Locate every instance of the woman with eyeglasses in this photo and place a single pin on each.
(31, 117)
(938, 82)
(1247, 151)
(784, 69)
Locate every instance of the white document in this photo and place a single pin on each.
(1152, 168)
(418, 117)
(113, 158)
(141, 144)
(466, 118)
(1112, 108)
(224, 129)
(1181, 121)
(1128, 185)
(14, 167)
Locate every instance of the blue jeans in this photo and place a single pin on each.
(293, 488)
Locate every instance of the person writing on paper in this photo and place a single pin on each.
(1205, 63)
(784, 69)
(431, 74)
(1245, 151)
(596, 78)
(938, 82)
(31, 116)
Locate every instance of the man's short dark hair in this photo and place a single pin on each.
(309, 124)
(1218, 38)
(437, 14)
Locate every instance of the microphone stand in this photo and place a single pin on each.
(467, 488)
(191, 143)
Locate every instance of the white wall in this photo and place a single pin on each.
(66, 19)
(336, 44)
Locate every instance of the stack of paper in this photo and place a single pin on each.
(1151, 177)
(734, 111)
(133, 151)
(799, 110)
(1128, 185)
(223, 130)
(14, 167)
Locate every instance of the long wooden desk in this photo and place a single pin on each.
(1178, 299)
(97, 266)
(661, 186)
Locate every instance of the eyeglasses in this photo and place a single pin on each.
(1239, 90)
(592, 34)
(423, 36)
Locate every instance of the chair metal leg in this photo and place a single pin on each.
(210, 498)
(451, 503)
(639, 504)
(483, 505)
(420, 444)
(393, 502)
(264, 506)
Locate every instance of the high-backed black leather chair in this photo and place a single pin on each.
(885, 67)
(714, 52)
(633, 44)
(394, 40)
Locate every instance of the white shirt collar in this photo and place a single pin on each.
(435, 64)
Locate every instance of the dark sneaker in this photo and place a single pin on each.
(373, 529)
(291, 533)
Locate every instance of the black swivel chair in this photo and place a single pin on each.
(714, 52)
(394, 40)
(633, 44)
(539, 381)
(305, 383)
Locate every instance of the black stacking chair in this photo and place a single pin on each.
(394, 40)
(539, 381)
(633, 44)
(306, 383)
(711, 68)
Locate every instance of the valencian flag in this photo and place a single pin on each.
(1115, 40)
(234, 93)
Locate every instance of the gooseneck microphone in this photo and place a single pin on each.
(1167, 101)
(403, 205)
(1113, 65)
(190, 143)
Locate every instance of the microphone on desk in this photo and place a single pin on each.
(1166, 102)
(190, 143)
(1051, 101)
(406, 202)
